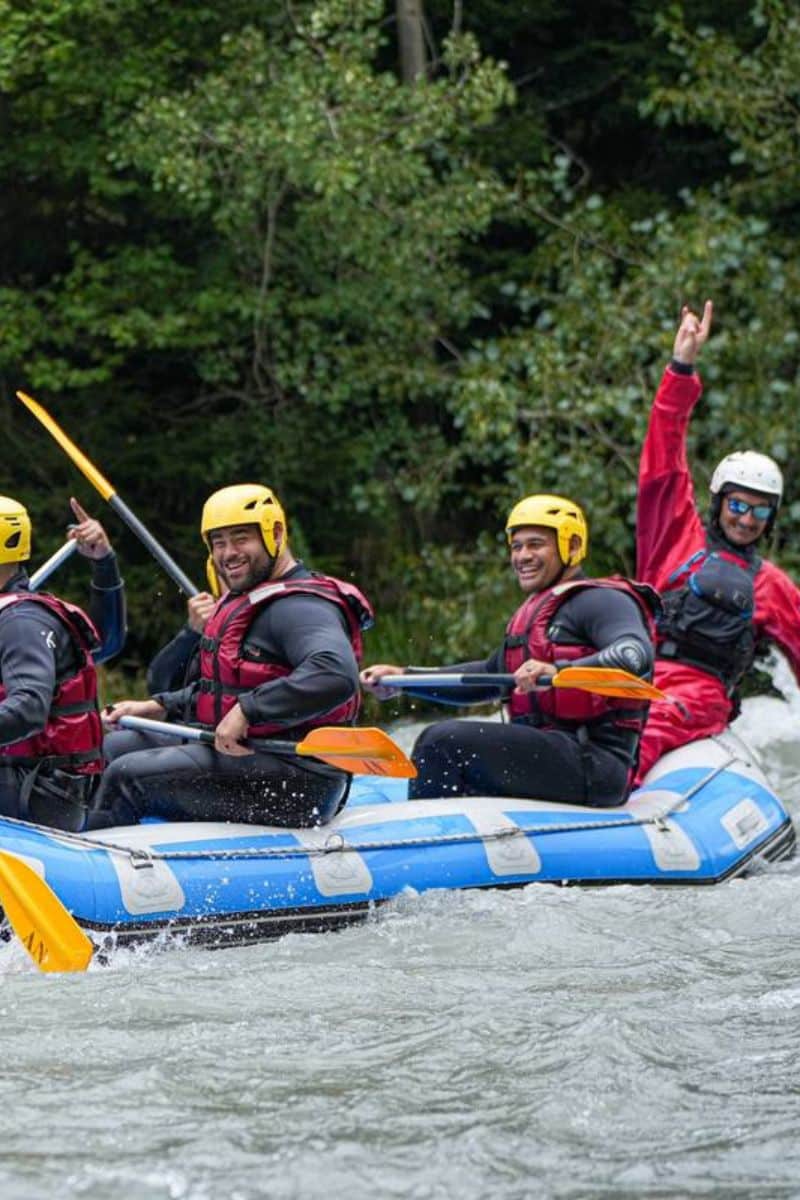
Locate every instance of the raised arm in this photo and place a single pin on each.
(107, 606)
(667, 522)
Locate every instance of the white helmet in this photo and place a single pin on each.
(749, 470)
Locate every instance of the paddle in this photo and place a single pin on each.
(50, 934)
(40, 576)
(604, 681)
(359, 751)
(105, 489)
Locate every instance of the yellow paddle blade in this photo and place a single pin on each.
(608, 681)
(50, 934)
(363, 751)
(91, 472)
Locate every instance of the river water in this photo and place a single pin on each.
(620, 1042)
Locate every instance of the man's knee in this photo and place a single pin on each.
(435, 735)
(119, 742)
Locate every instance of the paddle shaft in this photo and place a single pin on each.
(188, 733)
(106, 490)
(40, 576)
(156, 549)
(601, 681)
(359, 751)
(444, 680)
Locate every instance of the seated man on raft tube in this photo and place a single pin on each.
(279, 656)
(720, 598)
(50, 729)
(561, 744)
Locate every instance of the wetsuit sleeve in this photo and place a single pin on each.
(168, 670)
(177, 704)
(107, 606)
(777, 612)
(308, 634)
(668, 527)
(612, 622)
(29, 644)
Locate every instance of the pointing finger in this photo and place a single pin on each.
(78, 509)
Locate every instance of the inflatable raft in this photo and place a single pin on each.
(705, 814)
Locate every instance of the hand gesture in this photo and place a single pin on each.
(692, 333)
(88, 533)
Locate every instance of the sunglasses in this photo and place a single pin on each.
(761, 512)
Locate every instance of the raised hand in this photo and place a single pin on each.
(92, 539)
(692, 333)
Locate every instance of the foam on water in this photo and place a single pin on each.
(537, 1042)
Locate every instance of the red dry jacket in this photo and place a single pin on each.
(669, 530)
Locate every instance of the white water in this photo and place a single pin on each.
(634, 1042)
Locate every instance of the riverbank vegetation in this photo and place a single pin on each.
(403, 280)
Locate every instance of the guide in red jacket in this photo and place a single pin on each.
(720, 597)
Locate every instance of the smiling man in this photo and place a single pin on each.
(278, 657)
(720, 597)
(561, 744)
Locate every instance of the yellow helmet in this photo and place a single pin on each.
(554, 512)
(242, 504)
(15, 531)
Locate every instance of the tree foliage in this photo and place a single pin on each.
(237, 245)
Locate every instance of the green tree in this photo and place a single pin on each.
(236, 245)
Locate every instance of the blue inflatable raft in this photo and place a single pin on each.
(705, 814)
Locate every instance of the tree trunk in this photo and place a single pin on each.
(411, 39)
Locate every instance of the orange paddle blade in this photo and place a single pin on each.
(362, 751)
(608, 681)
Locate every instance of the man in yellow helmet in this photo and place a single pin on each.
(50, 731)
(562, 744)
(278, 657)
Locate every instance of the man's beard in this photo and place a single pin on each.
(254, 577)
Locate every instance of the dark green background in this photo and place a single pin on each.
(235, 246)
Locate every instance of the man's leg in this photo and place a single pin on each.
(477, 758)
(11, 779)
(195, 783)
(697, 708)
(127, 741)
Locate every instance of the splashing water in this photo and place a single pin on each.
(614, 1042)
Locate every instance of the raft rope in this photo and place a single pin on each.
(336, 844)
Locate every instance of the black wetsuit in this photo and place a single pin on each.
(177, 664)
(37, 650)
(196, 783)
(473, 758)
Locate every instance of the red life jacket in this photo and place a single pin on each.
(73, 736)
(530, 634)
(225, 673)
